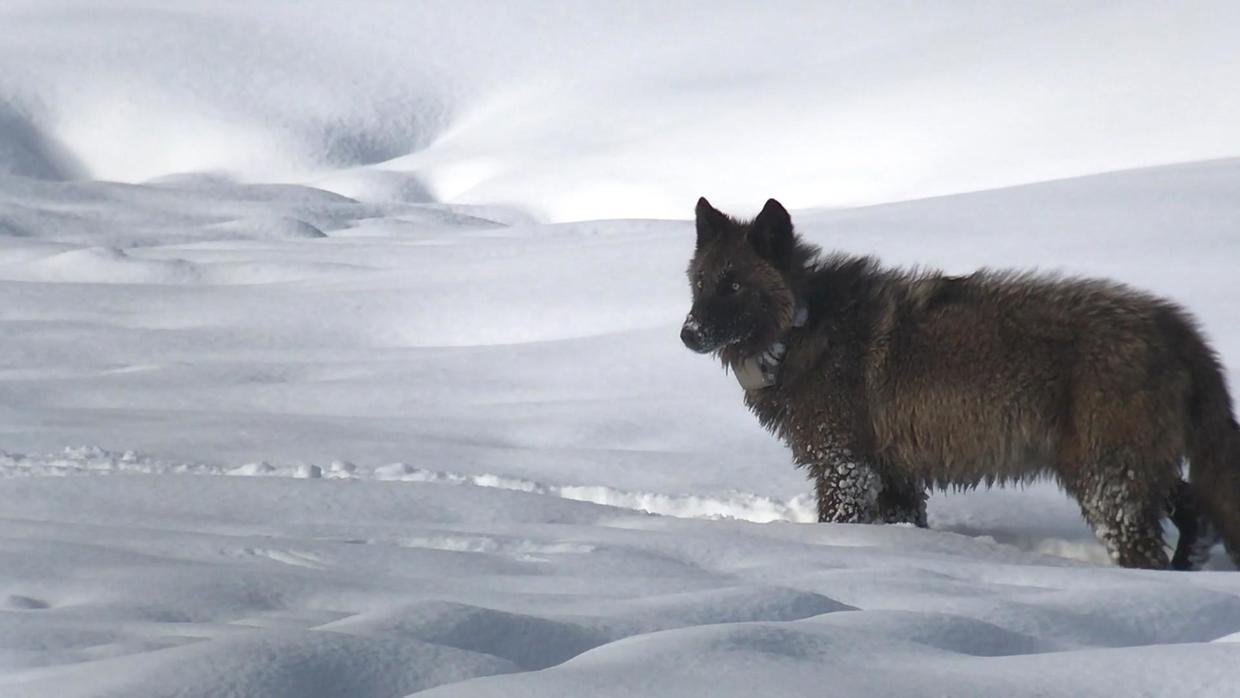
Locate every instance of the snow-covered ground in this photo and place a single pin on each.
(339, 354)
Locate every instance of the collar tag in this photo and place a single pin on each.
(762, 371)
(751, 376)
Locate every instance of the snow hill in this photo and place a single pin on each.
(339, 355)
(576, 111)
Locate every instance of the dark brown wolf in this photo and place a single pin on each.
(886, 382)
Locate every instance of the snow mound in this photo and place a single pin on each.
(272, 663)
(178, 210)
(107, 265)
(278, 228)
(377, 185)
(483, 630)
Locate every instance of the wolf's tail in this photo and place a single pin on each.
(1213, 442)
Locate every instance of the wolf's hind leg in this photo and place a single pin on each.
(1124, 516)
(1197, 536)
(902, 500)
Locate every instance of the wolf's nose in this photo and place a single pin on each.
(691, 335)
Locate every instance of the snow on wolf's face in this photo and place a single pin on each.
(742, 302)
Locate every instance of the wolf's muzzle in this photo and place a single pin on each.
(693, 337)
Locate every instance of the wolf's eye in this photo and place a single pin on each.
(736, 286)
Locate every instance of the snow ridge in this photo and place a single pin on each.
(743, 506)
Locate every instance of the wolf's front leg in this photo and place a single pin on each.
(847, 489)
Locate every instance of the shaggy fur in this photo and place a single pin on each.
(903, 380)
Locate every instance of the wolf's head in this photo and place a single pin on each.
(742, 276)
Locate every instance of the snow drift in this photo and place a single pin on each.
(574, 111)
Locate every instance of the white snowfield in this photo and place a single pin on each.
(339, 343)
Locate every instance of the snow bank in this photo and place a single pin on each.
(573, 111)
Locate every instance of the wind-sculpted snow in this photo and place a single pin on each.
(183, 584)
(573, 110)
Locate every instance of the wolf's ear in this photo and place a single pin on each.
(771, 232)
(710, 222)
